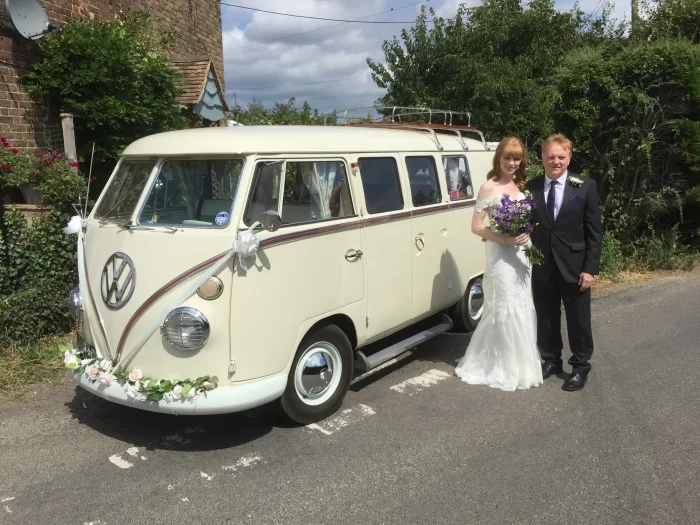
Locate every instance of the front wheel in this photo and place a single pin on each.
(466, 314)
(319, 377)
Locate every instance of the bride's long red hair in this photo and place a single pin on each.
(510, 148)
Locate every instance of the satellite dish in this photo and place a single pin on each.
(29, 18)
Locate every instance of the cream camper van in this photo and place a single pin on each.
(223, 269)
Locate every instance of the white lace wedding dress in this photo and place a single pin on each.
(503, 351)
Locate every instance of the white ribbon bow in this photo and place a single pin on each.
(247, 245)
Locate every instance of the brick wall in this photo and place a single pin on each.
(196, 24)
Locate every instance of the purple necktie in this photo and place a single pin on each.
(551, 199)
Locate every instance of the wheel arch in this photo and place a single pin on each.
(342, 321)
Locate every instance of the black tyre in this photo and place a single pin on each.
(466, 314)
(319, 377)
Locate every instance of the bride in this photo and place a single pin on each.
(503, 350)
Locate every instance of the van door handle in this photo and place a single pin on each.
(353, 255)
(420, 243)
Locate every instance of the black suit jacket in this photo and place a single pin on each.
(572, 244)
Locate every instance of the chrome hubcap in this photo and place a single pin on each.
(476, 300)
(318, 373)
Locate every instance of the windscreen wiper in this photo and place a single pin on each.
(129, 225)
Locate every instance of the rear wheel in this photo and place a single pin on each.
(466, 314)
(319, 377)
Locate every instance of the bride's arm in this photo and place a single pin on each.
(485, 232)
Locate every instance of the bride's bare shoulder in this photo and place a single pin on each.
(487, 190)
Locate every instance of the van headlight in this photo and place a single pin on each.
(75, 306)
(186, 329)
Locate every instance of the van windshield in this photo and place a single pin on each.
(123, 193)
(187, 191)
(193, 192)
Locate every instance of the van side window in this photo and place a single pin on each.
(264, 195)
(422, 174)
(380, 181)
(315, 191)
(459, 181)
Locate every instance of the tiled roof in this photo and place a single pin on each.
(195, 73)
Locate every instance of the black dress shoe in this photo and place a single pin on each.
(549, 369)
(575, 381)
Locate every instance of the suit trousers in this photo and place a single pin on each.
(548, 295)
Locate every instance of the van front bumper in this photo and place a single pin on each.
(221, 400)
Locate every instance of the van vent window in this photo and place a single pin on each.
(380, 181)
(422, 174)
(124, 190)
(459, 181)
(265, 193)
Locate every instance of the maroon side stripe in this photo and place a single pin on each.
(425, 211)
(308, 233)
(463, 204)
(160, 292)
(278, 239)
(386, 218)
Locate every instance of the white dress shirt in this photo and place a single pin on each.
(558, 191)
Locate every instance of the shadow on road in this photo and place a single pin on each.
(155, 431)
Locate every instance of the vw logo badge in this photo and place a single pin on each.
(118, 280)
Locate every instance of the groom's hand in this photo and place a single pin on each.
(585, 281)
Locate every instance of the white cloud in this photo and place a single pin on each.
(327, 65)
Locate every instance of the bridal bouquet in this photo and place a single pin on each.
(513, 218)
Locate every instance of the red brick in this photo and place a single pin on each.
(197, 27)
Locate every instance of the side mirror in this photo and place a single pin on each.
(271, 220)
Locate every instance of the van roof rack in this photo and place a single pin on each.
(432, 121)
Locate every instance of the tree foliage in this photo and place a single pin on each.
(634, 119)
(671, 19)
(494, 60)
(281, 114)
(113, 77)
(630, 103)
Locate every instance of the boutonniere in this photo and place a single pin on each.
(575, 182)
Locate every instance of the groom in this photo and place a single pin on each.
(569, 234)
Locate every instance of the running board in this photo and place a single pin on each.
(365, 363)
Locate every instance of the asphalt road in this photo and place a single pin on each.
(412, 445)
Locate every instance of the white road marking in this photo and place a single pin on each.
(185, 499)
(205, 476)
(134, 451)
(314, 426)
(421, 382)
(347, 417)
(118, 461)
(5, 500)
(7, 509)
(248, 461)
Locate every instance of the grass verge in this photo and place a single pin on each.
(21, 367)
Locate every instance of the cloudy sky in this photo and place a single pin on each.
(271, 58)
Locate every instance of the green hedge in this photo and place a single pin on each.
(37, 272)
